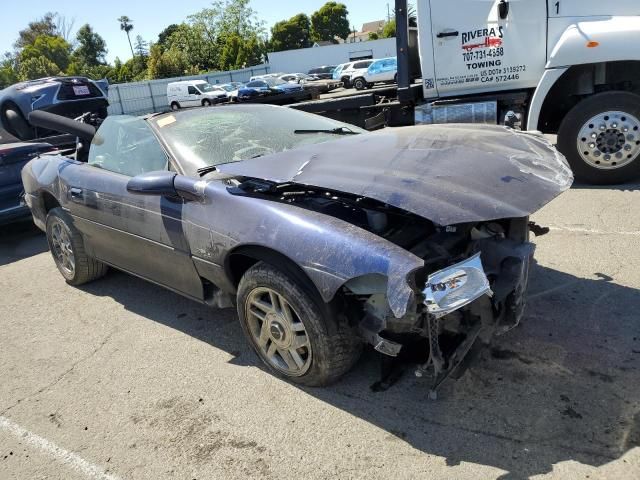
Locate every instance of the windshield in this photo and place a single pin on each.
(213, 136)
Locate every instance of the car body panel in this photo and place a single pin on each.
(447, 174)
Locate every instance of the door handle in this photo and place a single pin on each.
(448, 34)
(76, 193)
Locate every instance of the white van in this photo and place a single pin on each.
(194, 93)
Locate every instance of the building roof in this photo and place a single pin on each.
(373, 26)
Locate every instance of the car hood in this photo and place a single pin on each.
(448, 174)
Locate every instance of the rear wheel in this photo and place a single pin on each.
(67, 248)
(601, 138)
(359, 83)
(175, 106)
(288, 330)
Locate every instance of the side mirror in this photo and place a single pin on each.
(153, 183)
(167, 184)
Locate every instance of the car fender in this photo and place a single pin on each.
(610, 39)
(330, 251)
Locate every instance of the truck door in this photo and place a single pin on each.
(481, 45)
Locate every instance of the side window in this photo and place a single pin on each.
(126, 145)
(192, 90)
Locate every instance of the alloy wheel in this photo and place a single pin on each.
(62, 247)
(278, 332)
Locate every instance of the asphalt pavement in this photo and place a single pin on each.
(120, 379)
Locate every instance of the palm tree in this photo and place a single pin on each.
(126, 25)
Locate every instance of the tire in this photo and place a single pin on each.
(346, 83)
(581, 138)
(395, 79)
(62, 236)
(322, 357)
(175, 106)
(18, 125)
(359, 83)
(206, 103)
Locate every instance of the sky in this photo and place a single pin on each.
(151, 17)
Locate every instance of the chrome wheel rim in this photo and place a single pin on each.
(62, 248)
(610, 140)
(278, 332)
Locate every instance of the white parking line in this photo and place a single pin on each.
(589, 230)
(63, 456)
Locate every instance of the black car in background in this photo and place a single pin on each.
(325, 72)
(67, 96)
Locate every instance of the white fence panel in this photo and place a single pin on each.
(140, 98)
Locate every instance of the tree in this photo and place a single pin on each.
(44, 26)
(165, 36)
(54, 49)
(166, 63)
(126, 25)
(8, 70)
(330, 22)
(373, 36)
(389, 30)
(91, 48)
(142, 47)
(291, 34)
(37, 67)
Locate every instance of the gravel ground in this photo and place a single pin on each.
(121, 379)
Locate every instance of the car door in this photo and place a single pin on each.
(141, 234)
(193, 96)
(477, 50)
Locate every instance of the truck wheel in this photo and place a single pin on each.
(175, 106)
(601, 138)
(67, 249)
(288, 330)
(359, 83)
(206, 103)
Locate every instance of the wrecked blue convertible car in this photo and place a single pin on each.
(324, 237)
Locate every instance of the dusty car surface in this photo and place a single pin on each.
(324, 236)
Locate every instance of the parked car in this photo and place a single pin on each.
(13, 157)
(311, 82)
(232, 90)
(67, 96)
(323, 235)
(266, 87)
(194, 93)
(354, 70)
(335, 75)
(325, 72)
(384, 70)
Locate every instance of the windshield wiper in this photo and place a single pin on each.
(204, 170)
(335, 131)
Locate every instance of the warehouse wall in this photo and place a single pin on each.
(139, 98)
(303, 59)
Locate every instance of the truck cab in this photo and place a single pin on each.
(565, 67)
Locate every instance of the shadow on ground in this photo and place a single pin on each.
(562, 386)
(20, 240)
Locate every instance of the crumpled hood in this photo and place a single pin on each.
(448, 174)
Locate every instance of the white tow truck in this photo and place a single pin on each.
(565, 67)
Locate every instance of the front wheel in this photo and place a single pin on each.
(206, 103)
(600, 137)
(67, 248)
(288, 330)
